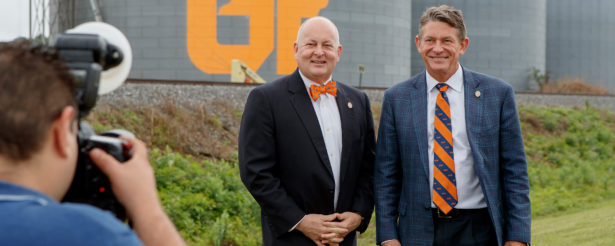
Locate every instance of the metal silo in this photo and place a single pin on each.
(580, 41)
(196, 39)
(375, 34)
(507, 38)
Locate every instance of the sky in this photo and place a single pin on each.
(13, 19)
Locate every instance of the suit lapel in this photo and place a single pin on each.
(303, 106)
(347, 122)
(473, 104)
(418, 97)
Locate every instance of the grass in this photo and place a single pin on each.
(572, 86)
(589, 227)
(571, 168)
(593, 226)
(206, 200)
(569, 151)
(369, 236)
(203, 131)
(569, 154)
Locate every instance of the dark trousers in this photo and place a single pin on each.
(464, 227)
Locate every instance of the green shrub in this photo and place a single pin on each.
(570, 160)
(206, 200)
(569, 151)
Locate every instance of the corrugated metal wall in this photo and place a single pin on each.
(507, 38)
(170, 38)
(580, 38)
(373, 33)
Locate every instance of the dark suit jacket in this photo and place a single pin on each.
(283, 159)
(401, 174)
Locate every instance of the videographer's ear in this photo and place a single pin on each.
(64, 132)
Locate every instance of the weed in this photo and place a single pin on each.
(194, 153)
(569, 154)
(206, 200)
(186, 129)
(572, 86)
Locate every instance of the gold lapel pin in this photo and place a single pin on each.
(477, 93)
(349, 105)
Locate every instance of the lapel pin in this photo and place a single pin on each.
(477, 93)
(349, 105)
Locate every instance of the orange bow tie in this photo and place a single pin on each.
(316, 90)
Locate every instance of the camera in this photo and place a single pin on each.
(88, 56)
(90, 185)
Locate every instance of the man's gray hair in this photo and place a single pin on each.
(446, 14)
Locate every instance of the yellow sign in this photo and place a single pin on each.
(210, 56)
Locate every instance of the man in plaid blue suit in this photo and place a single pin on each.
(489, 203)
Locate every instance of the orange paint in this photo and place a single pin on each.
(290, 13)
(202, 42)
(208, 55)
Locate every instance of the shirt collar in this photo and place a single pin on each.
(307, 82)
(455, 82)
(12, 192)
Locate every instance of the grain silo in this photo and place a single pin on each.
(195, 40)
(580, 43)
(507, 38)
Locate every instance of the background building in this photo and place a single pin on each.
(195, 40)
(507, 38)
(580, 42)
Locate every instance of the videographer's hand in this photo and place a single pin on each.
(134, 184)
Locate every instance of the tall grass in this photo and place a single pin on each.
(201, 131)
(568, 85)
(206, 200)
(570, 157)
(569, 151)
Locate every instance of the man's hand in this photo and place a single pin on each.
(393, 242)
(348, 221)
(134, 184)
(514, 243)
(313, 227)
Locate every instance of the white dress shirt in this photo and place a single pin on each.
(331, 127)
(469, 192)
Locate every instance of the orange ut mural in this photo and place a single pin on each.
(211, 57)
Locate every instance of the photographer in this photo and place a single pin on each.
(38, 157)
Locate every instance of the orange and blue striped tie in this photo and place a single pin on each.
(445, 183)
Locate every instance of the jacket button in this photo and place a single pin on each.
(331, 191)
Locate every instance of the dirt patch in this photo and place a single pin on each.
(572, 86)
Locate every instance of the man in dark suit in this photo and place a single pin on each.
(450, 167)
(306, 148)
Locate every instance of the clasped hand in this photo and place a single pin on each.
(331, 229)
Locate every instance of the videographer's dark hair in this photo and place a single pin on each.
(35, 86)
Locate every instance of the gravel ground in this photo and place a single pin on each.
(235, 96)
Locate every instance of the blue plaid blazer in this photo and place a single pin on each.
(401, 177)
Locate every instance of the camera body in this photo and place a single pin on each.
(87, 56)
(90, 185)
